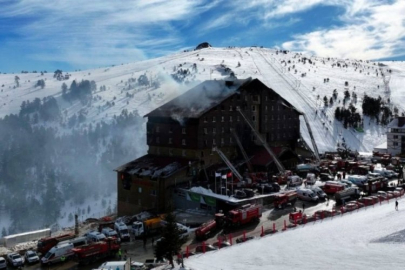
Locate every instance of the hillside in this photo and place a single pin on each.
(292, 75)
(66, 143)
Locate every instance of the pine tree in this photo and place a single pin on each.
(171, 242)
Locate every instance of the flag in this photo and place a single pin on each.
(229, 174)
(217, 174)
(224, 176)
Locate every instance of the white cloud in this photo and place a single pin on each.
(371, 30)
(99, 31)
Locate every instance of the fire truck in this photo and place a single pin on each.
(209, 228)
(45, 244)
(281, 200)
(95, 251)
(247, 213)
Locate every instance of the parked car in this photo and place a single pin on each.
(224, 244)
(152, 263)
(310, 179)
(31, 257)
(348, 183)
(294, 181)
(382, 194)
(3, 263)
(15, 259)
(350, 207)
(249, 192)
(326, 177)
(200, 249)
(239, 194)
(268, 188)
(241, 239)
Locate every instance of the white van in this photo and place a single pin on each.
(55, 254)
(118, 265)
(311, 179)
(122, 231)
(319, 192)
(109, 232)
(94, 236)
(358, 180)
(294, 180)
(307, 195)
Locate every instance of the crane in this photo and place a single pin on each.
(228, 163)
(242, 150)
(312, 138)
(279, 166)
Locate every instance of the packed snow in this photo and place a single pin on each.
(300, 83)
(371, 238)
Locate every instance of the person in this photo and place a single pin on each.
(119, 254)
(344, 175)
(303, 207)
(144, 240)
(396, 205)
(62, 259)
(153, 240)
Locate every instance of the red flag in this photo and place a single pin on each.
(229, 174)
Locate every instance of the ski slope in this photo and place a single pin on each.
(372, 238)
(282, 72)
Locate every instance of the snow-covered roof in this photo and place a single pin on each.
(154, 166)
(198, 99)
(381, 146)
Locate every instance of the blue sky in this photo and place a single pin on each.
(77, 34)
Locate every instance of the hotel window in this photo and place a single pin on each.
(183, 131)
(230, 118)
(183, 141)
(253, 108)
(170, 140)
(157, 140)
(222, 141)
(255, 98)
(272, 107)
(171, 152)
(230, 140)
(213, 142)
(205, 131)
(158, 151)
(265, 118)
(157, 129)
(230, 108)
(153, 192)
(395, 136)
(254, 118)
(206, 143)
(213, 119)
(205, 120)
(183, 153)
(265, 108)
(266, 98)
(222, 130)
(170, 130)
(222, 119)
(140, 190)
(237, 108)
(214, 130)
(395, 144)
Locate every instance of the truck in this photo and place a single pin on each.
(147, 227)
(347, 194)
(122, 231)
(281, 200)
(95, 251)
(245, 214)
(46, 243)
(210, 227)
(62, 251)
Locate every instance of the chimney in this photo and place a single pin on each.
(401, 121)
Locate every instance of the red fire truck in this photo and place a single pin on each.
(281, 200)
(247, 213)
(95, 251)
(45, 244)
(210, 227)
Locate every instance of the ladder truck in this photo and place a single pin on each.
(316, 152)
(228, 163)
(242, 150)
(280, 166)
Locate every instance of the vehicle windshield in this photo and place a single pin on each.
(39, 244)
(32, 255)
(136, 226)
(125, 231)
(48, 255)
(15, 256)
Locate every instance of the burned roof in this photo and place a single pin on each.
(155, 166)
(199, 99)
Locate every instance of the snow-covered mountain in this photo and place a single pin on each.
(298, 78)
